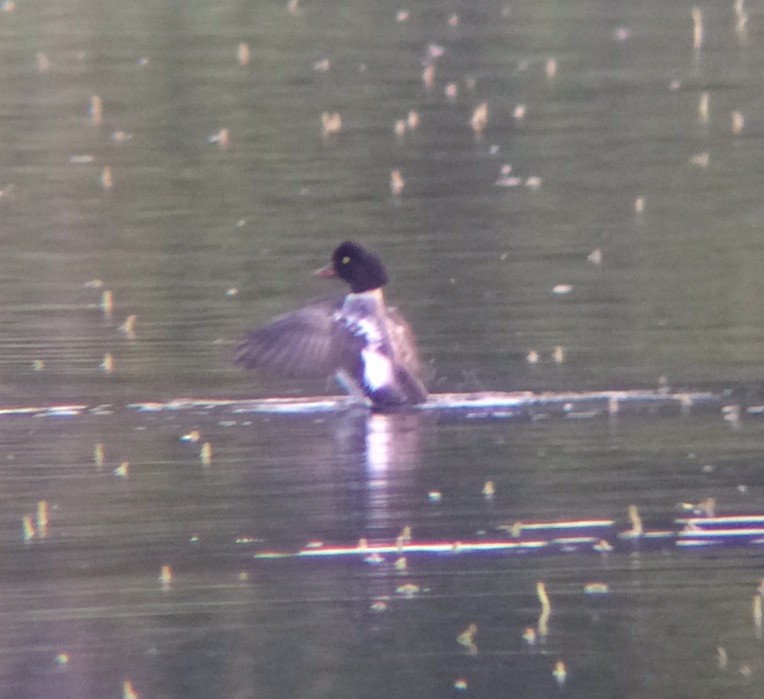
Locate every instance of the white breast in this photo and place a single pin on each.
(377, 369)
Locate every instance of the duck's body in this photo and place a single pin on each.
(368, 346)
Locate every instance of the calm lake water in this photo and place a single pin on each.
(631, 241)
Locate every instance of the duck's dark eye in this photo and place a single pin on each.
(345, 260)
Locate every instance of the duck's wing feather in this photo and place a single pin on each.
(306, 342)
(409, 368)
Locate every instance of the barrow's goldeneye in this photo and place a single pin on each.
(367, 345)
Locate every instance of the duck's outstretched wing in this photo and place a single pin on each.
(306, 342)
(409, 368)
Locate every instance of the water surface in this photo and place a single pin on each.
(202, 242)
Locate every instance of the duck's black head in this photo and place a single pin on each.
(357, 266)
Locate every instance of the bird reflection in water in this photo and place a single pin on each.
(389, 447)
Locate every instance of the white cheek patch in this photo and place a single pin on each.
(377, 369)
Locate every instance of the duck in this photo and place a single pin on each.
(367, 345)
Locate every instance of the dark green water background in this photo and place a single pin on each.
(201, 242)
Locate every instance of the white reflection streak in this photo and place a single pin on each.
(379, 440)
(392, 455)
(379, 443)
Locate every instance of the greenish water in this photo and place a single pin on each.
(202, 242)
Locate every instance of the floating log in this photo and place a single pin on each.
(560, 537)
(489, 404)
